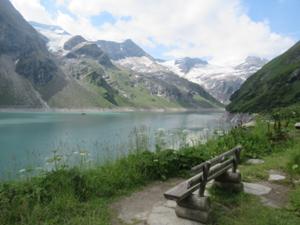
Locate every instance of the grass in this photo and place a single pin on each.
(275, 85)
(82, 195)
(244, 209)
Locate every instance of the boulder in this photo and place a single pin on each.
(256, 189)
(255, 161)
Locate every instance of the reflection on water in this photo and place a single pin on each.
(28, 139)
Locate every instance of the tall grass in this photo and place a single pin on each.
(80, 194)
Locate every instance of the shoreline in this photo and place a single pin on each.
(100, 110)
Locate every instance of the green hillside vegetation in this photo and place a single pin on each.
(83, 194)
(84, 77)
(93, 85)
(276, 85)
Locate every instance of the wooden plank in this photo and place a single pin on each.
(221, 171)
(217, 159)
(187, 187)
(199, 167)
(223, 156)
(184, 189)
(219, 165)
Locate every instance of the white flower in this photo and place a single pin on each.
(22, 170)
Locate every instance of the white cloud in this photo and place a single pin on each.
(32, 10)
(216, 29)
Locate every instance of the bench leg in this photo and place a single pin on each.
(230, 181)
(195, 208)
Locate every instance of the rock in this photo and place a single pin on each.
(196, 202)
(230, 177)
(297, 125)
(72, 42)
(256, 189)
(161, 215)
(194, 214)
(170, 204)
(276, 177)
(232, 187)
(255, 161)
(269, 202)
(249, 124)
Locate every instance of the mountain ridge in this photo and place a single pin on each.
(52, 70)
(219, 81)
(277, 84)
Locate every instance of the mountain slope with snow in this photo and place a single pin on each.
(55, 36)
(220, 81)
(121, 74)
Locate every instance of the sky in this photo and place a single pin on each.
(220, 31)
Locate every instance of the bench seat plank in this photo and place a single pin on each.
(187, 187)
(183, 189)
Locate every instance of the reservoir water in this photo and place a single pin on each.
(28, 140)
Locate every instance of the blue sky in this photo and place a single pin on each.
(283, 15)
(218, 30)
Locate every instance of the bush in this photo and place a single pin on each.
(294, 162)
(64, 194)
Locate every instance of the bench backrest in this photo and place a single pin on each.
(207, 171)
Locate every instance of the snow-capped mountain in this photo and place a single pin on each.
(55, 36)
(114, 74)
(121, 50)
(141, 64)
(219, 81)
(187, 63)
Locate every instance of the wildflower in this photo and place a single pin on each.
(82, 153)
(22, 170)
(295, 166)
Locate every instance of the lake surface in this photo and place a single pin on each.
(27, 140)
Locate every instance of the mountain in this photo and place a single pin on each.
(54, 69)
(220, 81)
(158, 79)
(117, 51)
(138, 72)
(29, 75)
(277, 84)
(187, 63)
(54, 36)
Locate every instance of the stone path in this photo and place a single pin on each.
(256, 189)
(149, 207)
(255, 161)
(271, 193)
(276, 175)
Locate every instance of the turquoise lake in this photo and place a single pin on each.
(27, 140)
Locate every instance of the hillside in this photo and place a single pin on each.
(27, 70)
(47, 67)
(277, 84)
(221, 81)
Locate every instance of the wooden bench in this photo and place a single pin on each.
(222, 169)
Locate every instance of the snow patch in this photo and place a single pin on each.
(56, 38)
(141, 64)
(219, 81)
